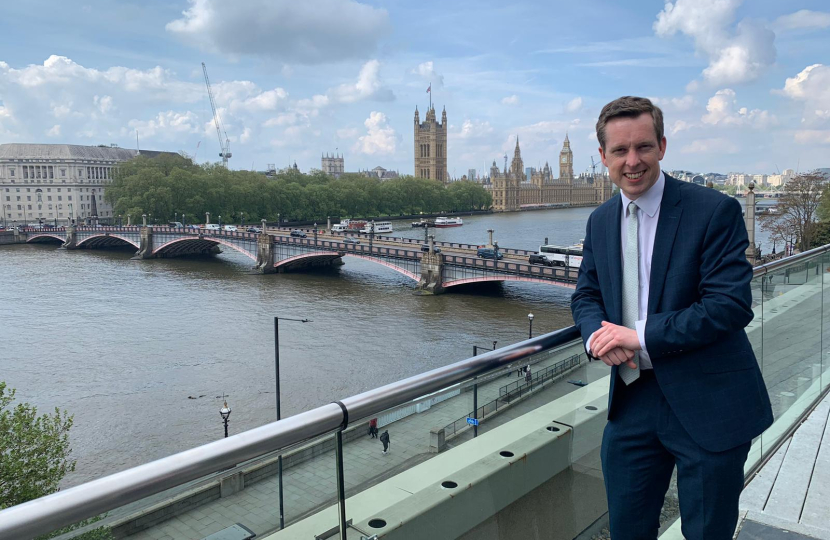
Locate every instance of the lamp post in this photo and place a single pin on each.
(371, 235)
(315, 234)
(475, 388)
(530, 325)
(279, 415)
(207, 218)
(71, 214)
(220, 223)
(243, 219)
(175, 216)
(225, 412)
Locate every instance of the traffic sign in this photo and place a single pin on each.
(472, 421)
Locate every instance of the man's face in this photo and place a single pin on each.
(632, 154)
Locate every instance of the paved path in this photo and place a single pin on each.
(311, 485)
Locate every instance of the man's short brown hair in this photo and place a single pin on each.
(629, 107)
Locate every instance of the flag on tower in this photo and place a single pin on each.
(429, 89)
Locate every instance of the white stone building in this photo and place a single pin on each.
(55, 183)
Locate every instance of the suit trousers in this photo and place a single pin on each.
(640, 448)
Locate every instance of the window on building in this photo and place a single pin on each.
(25, 172)
(48, 197)
(69, 198)
(80, 172)
(11, 172)
(60, 198)
(28, 197)
(63, 172)
(30, 206)
(20, 207)
(51, 172)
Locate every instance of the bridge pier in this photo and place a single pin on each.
(265, 253)
(145, 250)
(432, 271)
(71, 241)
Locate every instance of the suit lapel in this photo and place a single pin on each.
(614, 250)
(667, 224)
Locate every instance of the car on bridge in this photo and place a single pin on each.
(435, 249)
(539, 259)
(257, 230)
(350, 240)
(212, 227)
(175, 225)
(490, 253)
(230, 228)
(298, 233)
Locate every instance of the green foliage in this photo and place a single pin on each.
(34, 450)
(160, 187)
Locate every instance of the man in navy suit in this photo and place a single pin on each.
(663, 297)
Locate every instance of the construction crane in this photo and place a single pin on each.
(225, 147)
(594, 166)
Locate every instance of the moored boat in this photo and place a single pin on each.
(442, 222)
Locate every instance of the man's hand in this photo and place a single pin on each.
(613, 338)
(619, 356)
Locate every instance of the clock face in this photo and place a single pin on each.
(564, 159)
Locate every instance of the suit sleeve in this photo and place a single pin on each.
(725, 304)
(586, 303)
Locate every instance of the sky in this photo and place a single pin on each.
(744, 85)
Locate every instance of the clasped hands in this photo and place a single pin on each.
(615, 345)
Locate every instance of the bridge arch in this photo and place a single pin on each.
(466, 281)
(308, 259)
(192, 245)
(106, 240)
(44, 238)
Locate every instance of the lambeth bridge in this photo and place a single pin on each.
(436, 269)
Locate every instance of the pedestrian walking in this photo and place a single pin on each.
(373, 428)
(384, 438)
(528, 377)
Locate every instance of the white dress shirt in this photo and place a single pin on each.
(648, 213)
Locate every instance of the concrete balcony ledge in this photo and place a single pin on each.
(469, 491)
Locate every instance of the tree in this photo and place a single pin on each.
(798, 210)
(34, 450)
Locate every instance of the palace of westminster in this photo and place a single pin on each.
(511, 188)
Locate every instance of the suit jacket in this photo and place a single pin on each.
(699, 304)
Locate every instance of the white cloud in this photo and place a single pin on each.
(296, 32)
(269, 100)
(803, 19)
(678, 126)
(55, 131)
(472, 129)
(168, 125)
(717, 145)
(735, 55)
(427, 72)
(574, 105)
(681, 104)
(368, 86)
(104, 104)
(510, 100)
(722, 110)
(380, 137)
(246, 135)
(812, 86)
(813, 136)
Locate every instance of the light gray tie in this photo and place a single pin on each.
(631, 287)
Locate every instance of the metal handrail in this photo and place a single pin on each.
(788, 261)
(44, 515)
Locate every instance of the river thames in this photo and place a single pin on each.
(140, 352)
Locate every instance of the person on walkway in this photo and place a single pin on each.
(663, 297)
(528, 376)
(373, 428)
(384, 438)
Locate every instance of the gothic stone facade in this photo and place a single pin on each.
(431, 146)
(511, 192)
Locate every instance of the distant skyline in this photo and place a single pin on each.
(745, 86)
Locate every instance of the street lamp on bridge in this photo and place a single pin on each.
(530, 327)
(279, 415)
(225, 413)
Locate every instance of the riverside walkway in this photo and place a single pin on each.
(310, 486)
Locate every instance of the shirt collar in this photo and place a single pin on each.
(648, 202)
